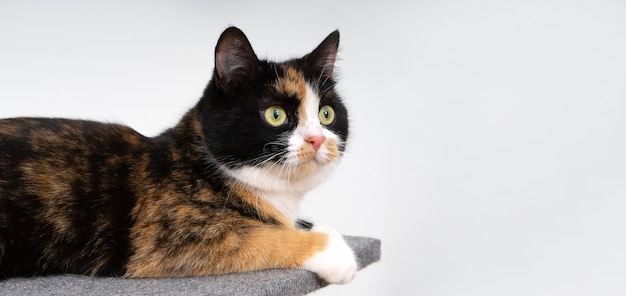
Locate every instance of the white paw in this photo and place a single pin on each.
(336, 264)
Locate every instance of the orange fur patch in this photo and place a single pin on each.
(292, 83)
(333, 150)
(306, 152)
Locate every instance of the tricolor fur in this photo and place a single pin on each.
(217, 193)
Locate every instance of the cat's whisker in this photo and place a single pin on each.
(265, 159)
(279, 144)
(319, 78)
(275, 67)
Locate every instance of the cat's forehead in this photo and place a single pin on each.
(291, 83)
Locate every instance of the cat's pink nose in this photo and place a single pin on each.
(316, 141)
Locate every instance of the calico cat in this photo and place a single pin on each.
(218, 193)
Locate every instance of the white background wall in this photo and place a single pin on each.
(489, 137)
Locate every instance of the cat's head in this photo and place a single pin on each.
(271, 125)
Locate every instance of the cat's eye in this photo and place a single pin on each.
(327, 115)
(275, 115)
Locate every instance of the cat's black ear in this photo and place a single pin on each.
(323, 58)
(235, 61)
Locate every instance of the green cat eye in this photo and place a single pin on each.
(327, 115)
(275, 115)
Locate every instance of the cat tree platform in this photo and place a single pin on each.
(267, 282)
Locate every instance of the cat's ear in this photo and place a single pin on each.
(235, 61)
(322, 59)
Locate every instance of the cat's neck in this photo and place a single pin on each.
(281, 207)
(285, 203)
(271, 184)
(272, 189)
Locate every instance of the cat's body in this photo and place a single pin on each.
(218, 193)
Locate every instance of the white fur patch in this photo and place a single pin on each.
(336, 264)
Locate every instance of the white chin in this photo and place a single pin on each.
(278, 178)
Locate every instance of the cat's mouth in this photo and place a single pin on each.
(321, 150)
(307, 153)
(309, 160)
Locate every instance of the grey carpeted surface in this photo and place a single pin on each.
(267, 282)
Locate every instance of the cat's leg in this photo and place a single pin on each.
(336, 263)
(321, 250)
(333, 254)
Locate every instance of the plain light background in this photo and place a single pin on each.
(489, 137)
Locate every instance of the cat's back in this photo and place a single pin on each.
(49, 150)
(63, 189)
(42, 152)
(50, 131)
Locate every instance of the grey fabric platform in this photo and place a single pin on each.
(267, 282)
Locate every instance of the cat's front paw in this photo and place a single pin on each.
(336, 264)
